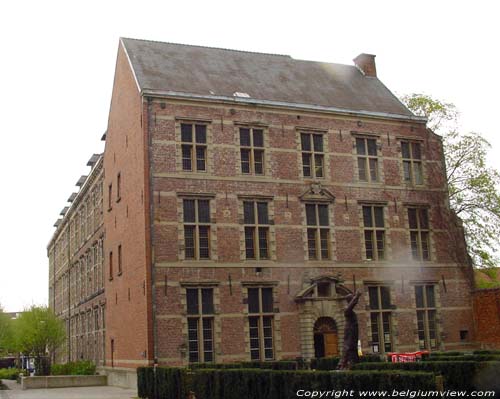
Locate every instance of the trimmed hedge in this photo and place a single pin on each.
(73, 368)
(457, 375)
(463, 358)
(331, 363)
(278, 365)
(174, 383)
(9, 374)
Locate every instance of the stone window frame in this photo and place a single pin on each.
(317, 228)
(217, 328)
(211, 197)
(393, 321)
(437, 299)
(426, 310)
(432, 244)
(326, 152)
(236, 140)
(276, 327)
(412, 139)
(209, 156)
(387, 229)
(380, 159)
(271, 232)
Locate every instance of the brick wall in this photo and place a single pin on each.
(487, 317)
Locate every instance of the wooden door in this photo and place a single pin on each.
(331, 344)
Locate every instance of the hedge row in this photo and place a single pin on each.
(458, 353)
(457, 375)
(73, 368)
(278, 365)
(9, 374)
(174, 383)
(331, 363)
(457, 358)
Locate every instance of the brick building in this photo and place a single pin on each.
(76, 272)
(245, 194)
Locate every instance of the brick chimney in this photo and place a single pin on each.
(366, 64)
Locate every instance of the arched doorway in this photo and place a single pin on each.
(326, 342)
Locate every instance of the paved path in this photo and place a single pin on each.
(15, 392)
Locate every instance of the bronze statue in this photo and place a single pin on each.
(351, 334)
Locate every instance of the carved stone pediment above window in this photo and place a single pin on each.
(316, 193)
(323, 288)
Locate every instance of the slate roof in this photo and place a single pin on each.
(220, 73)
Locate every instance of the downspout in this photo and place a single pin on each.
(69, 292)
(151, 232)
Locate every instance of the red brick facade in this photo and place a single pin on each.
(153, 276)
(487, 317)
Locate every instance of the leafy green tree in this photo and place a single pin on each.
(473, 186)
(38, 332)
(5, 332)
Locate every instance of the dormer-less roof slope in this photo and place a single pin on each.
(176, 69)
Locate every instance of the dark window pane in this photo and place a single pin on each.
(373, 169)
(385, 294)
(405, 149)
(201, 134)
(423, 219)
(325, 247)
(207, 300)
(204, 242)
(414, 245)
(189, 242)
(305, 140)
(192, 301)
(360, 146)
(380, 245)
(250, 242)
(253, 300)
(415, 150)
(259, 162)
(412, 218)
(245, 161)
(324, 290)
(431, 302)
(200, 158)
(248, 212)
(407, 170)
(311, 243)
(245, 137)
(204, 211)
(189, 213)
(318, 165)
(258, 138)
(306, 164)
(425, 245)
(318, 142)
(417, 171)
(311, 215)
(362, 169)
(262, 213)
(419, 296)
(263, 246)
(186, 132)
(267, 300)
(186, 157)
(379, 216)
(373, 294)
(323, 215)
(369, 244)
(372, 147)
(367, 216)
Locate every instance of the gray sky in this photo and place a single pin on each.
(58, 58)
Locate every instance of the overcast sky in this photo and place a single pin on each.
(57, 64)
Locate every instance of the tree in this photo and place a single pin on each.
(39, 332)
(473, 186)
(5, 332)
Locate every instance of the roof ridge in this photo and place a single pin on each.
(208, 47)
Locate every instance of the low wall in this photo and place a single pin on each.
(61, 381)
(487, 317)
(120, 376)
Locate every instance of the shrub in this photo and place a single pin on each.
(73, 368)
(325, 363)
(9, 374)
(458, 375)
(486, 352)
(472, 358)
(278, 365)
(271, 384)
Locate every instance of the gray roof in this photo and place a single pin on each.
(220, 73)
